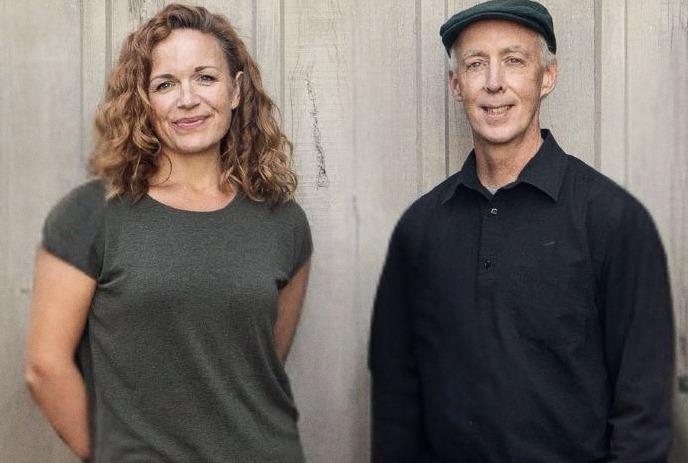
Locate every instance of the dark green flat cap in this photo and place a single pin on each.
(525, 12)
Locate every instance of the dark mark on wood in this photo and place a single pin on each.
(322, 181)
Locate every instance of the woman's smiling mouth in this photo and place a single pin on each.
(190, 122)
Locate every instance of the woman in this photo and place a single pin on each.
(178, 275)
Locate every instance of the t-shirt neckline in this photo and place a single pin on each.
(238, 197)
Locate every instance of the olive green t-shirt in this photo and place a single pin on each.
(178, 352)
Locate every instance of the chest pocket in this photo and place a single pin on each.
(550, 296)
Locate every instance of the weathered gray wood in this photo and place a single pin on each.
(94, 67)
(570, 110)
(431, 75)
(373, 127)
(657, 165)
(40, 159)
(318, 112)
(268, 50)
(612, 90)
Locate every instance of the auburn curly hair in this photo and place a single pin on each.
(255, 156)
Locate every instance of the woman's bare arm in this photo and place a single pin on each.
(61, 301)
(289, 303)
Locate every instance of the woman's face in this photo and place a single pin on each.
(191, 92)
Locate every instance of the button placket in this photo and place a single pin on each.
(489, 238)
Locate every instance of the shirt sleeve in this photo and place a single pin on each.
(303, 242)
(639, 340)
(71, 231)
(397, 429)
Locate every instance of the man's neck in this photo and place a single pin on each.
(499, 165)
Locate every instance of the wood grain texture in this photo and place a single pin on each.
(268, 47)
(319, 118)
(94, 67)
(612, 90)
(373, 127)
(40, 150)
(431, 74)
(570, 110)
(657, 170)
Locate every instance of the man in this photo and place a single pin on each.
(524, 311)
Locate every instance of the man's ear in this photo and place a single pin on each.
(454, 86)
(236, 96)
(549, 80)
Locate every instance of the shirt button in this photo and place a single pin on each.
(493, 211)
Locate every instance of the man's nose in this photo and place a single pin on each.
(187, 97)
(494, 80)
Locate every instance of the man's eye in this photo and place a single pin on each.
(473, 65)
(514, 61)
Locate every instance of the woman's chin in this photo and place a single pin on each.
(191, 149)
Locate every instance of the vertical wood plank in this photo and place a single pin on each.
(269, 53)
(39, 160)
(318, 111)
(94, 67)
(391, 143)
(431, 71)
(570, 110)
(612, 89)
(657, 82)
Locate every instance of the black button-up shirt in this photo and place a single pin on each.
(532, 325)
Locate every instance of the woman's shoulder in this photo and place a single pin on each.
(82, 202)
(73, 227)
(88, 195)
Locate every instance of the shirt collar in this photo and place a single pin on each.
(545, 171)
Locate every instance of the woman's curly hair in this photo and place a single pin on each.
(255, 156)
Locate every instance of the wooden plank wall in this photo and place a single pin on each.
(361, 85)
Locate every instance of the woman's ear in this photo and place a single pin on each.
(236, 96)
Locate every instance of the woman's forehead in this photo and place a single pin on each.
(188, 48)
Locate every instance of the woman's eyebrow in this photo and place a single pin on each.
(196, 69)
(162, 76)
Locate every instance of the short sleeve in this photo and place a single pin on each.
(303, 243)
(72, 230)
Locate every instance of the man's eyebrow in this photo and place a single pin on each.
(469, 53)
(509, 49)
(196, 69)
(516, 48)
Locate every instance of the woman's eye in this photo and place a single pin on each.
(207, 78)
(163, 86)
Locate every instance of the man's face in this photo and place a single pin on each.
(500, 80)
